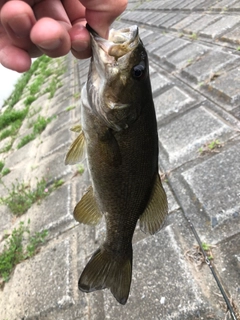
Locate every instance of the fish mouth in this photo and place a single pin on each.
(118, 44)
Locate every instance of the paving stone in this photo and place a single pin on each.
(223, 5)
(175, 19)
(209, 64)
(183, 136)
(227, 87)
(224, 183)
(158, 42)
(52, 168)
(57, 123)
(51, 266)
(193, 4)
(56, 142)
(26, 152)
(153, 295)
(187, 55)
(171, 101)
(227, 261)
(54, 213)
(170, 48)
(167, 17)
(6, 218)
(232, 36)
(185, 22)
(202, 23)
(220, 27)
(205, 5)
(158, 81)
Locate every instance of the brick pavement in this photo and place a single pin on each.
(195, 66)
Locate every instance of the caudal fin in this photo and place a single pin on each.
(104, 270)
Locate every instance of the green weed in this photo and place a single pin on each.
(29, 100)
(193, 36)
(25, 140)
(10, 116)
(210, 147)
(70, 108)
(5, 171)
(14, 251)
(35, 87)
(20, 198)
(40, 125)
(1, 165)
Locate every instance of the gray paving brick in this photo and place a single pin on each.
(205, 5)
(209, 64)
(26, 152)
(171, 101)
(158, 255)
(187, 55)
(158, 81)
(227, 87)
(227, 260)
(202, 23)
(220, 27)
(193, 4)
(183, 136)
(185, 22)
(161, 22)
(223, 183)
(170, 48)
(46, 281)
(158, 42)
(58, 140)
(223, 5)
(175, 19)
(232, 36)
(57, 123)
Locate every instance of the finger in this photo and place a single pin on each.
(101, 14)
(14, 58)
(51, 37)
(17, 19)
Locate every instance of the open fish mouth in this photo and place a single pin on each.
(118, 44)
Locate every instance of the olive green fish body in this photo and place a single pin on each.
(120, 133)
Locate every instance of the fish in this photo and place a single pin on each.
(118, 135)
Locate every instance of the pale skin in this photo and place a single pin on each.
(32, 27)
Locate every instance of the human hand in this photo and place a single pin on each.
(32, 27)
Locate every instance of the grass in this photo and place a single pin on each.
(3, 171)
(193, 36)
(9, 117)
(210, 147)
(15, 252)
(70, 108)
(38, 127)
(21, 197)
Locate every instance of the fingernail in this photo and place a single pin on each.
(50, 45)
(80, 46)
(25, 26)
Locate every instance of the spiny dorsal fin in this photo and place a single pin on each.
(86, 211)
(104, 270)
(76, 128)
(156, 211)
(76, 151)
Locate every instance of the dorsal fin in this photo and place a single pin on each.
(156, 211)
(86, 211)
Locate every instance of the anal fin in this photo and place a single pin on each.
(156, 211)
(86, 211)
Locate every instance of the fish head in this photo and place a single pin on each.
(118, 80)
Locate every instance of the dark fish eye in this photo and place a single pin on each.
(138, 71)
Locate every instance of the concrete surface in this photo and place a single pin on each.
(195, 70)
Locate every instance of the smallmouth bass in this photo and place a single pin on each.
(119, 133)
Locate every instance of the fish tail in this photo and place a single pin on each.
(108, 270)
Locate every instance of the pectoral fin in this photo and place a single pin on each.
(86, 211)
(156, 211)
(76, 152)
(76, 128)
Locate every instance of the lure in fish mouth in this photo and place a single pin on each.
(118, 132)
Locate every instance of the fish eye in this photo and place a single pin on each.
(138, 70)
